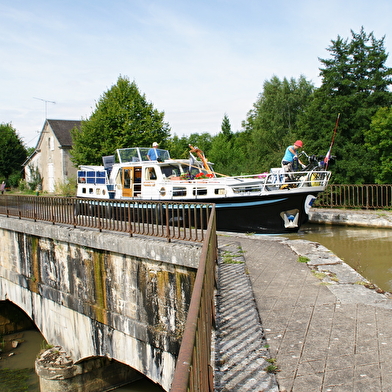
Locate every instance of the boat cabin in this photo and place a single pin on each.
(133, 175)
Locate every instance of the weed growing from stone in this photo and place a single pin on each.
(319, 275)
(303, 259)
(272, 368)
(230, 258)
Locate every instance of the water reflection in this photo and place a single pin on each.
(367, 250)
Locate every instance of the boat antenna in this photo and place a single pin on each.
(328, 156)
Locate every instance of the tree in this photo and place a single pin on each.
(179, 147)
(122, 118)
(272, 123)
(226, 127)
(379, 141)
(355, 83)
(223, 152)
(12, 154)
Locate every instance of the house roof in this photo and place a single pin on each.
(62, 130)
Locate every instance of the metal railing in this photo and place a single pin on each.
(170, 220)
(194, 371)
(369, 196)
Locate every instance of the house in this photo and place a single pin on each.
(52, 155)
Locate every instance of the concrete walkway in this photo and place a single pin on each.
(319, 324)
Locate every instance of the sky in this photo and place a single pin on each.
(194, 60)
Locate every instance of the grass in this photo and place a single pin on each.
(319, 275)
(232, 258)
(272, 367)
(303, 259)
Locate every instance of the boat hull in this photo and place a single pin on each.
(264, 214)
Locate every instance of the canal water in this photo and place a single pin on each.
(367, 250)
(17, 365)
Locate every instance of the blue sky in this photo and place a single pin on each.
(194, 60)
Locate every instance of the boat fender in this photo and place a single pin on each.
(309, 203)
(162, 191)
(290, 218)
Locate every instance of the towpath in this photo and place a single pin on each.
(312, 319)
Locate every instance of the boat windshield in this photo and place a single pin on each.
(139, 154)
(196, 168)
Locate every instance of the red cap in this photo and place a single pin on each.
(298, 143)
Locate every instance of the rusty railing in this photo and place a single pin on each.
(369, 196)
(185, 221)
(170, 220)
(194, 371)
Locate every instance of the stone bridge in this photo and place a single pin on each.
(99, 296)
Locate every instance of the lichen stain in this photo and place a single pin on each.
(100, 287)
(35, 278)
(162, 277)
(184, 288)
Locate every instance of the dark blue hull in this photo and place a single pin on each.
(264, 214)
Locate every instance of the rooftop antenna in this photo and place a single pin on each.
(46, 106)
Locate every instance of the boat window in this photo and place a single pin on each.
(119, 179)
(127, 178)
(220, 191)
(138, 154)
(170, 170)
(150, 173)
(199, 191)
(179, 191)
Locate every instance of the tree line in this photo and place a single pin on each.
(355, 83)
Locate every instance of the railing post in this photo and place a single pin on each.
(167, 222)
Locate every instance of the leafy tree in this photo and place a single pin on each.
(272, 123)
(355, 83)
(226, 127)
(232, 157)
(379, 141)
(179, 147)
(122, 118)
(225, 153)
(12, 154)
(35, 182)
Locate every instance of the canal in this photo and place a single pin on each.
(17, 365)
(367, 250)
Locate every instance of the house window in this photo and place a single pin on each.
(51, 143)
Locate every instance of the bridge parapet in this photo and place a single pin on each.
(99, 293)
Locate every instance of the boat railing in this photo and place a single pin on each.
(277, 179)
(169, 220)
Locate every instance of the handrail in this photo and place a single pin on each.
(169, 220)
(367, 196)
(194, 371)
(186, 221)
